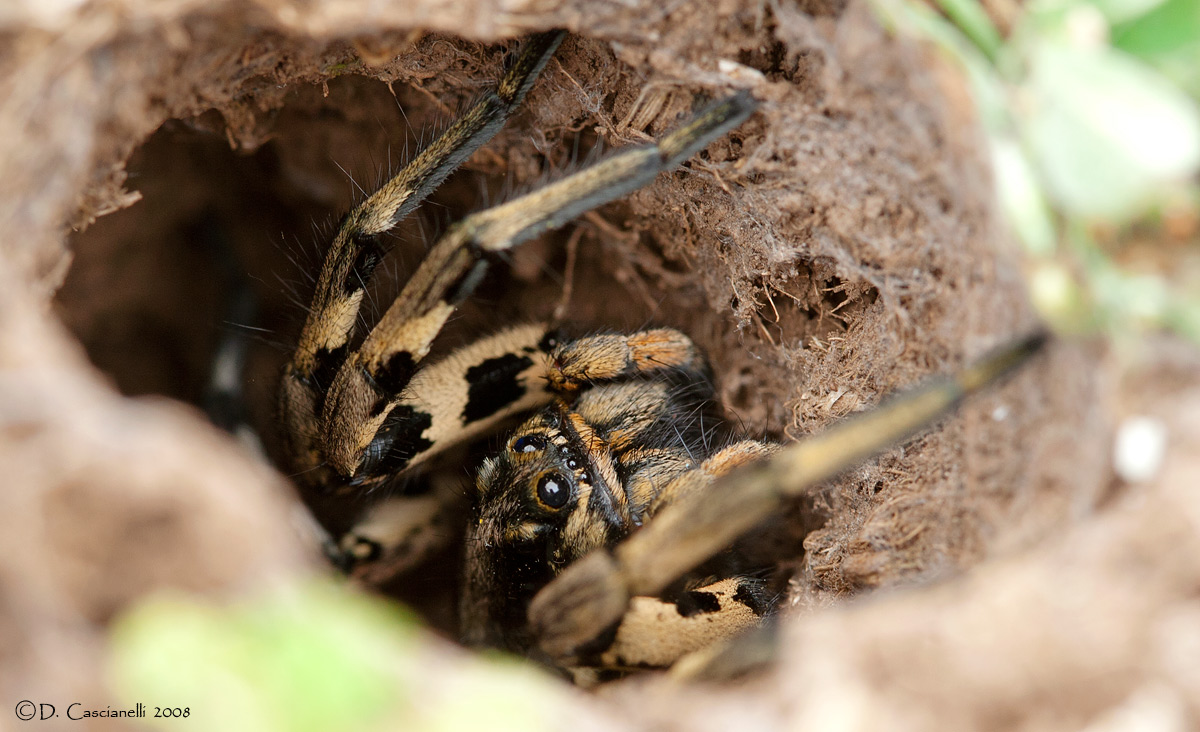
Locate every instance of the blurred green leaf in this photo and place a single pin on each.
(1060, 299)
(316, 659)
(1021, 197)
(1118, 11)
(986, 86)
(1107, 130)
(1184, 317)
(320, 659)
(501, 695)
(1088, 115)
(971, 18)
(1167, 37)
(1170, 26)
(1135, 302)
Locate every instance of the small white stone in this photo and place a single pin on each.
(739, 72)
(1000, 413)
(1141, 443)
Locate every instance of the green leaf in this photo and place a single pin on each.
(987, 88)
(1184, 317)
(971, 19)
(1118, 11)
(1169, 39)
(1106, 130)
(1171, 25)
(315, 659)
(1021, 197)
(318, 659)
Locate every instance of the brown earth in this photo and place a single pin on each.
(838, 246)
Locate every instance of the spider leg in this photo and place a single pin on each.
(592, 595)
(393, 536)
(722, 462)
(401, 532)
(460, 398)
(655, 633)
(367, 388)
(357, 248)
(600, 358)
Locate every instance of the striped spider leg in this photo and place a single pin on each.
(321, 450)
(324, 454)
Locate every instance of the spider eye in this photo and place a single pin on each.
(528, 443)
(553, 490)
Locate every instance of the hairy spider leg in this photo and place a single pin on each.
(457, 399)
(357, 248)
(608, 357)
(657, 633)
(364, 395)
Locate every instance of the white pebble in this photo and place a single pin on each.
(1140, 446)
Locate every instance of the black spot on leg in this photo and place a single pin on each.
(696, 602)
(327, 364)
(369, 254)
(399, 439)
(394, 376)
(492, 385)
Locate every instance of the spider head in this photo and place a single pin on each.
(531, 518)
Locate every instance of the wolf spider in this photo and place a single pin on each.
(600, 535)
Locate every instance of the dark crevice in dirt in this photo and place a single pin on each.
(771, 59)
(811, 305)
(822, 8)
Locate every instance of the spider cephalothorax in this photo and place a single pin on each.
(601, 532)
(587, 470)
